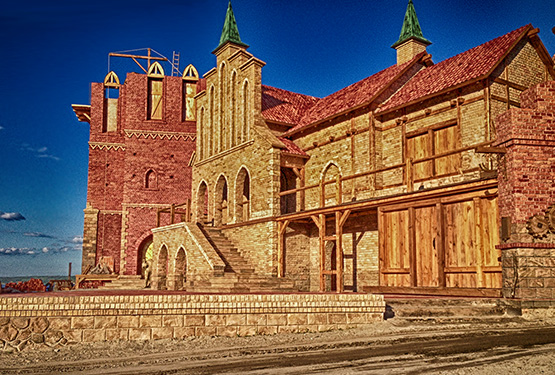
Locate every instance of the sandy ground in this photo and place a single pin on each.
(396, 346)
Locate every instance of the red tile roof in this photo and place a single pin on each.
(473, 64)
(291, 147)
(357, 94)
(284, 106)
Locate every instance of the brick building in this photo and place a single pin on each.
(141, 143)
(406, 181)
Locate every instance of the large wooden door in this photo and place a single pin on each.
(445, 243)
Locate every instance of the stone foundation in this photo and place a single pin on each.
(529, 272)
(60, 320)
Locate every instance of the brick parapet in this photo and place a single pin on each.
(59, 320)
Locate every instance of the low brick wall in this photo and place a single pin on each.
(60, 320)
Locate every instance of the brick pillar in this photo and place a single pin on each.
(89, 237)
(526, 193)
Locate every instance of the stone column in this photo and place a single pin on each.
(89, 237)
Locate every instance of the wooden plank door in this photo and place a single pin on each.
(426, 243)
(394, 248)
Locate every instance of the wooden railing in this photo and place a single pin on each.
(176, 211)
(407, 168)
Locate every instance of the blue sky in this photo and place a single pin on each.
(52, 50)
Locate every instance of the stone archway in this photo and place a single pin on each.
(145, 253)
(179, 274)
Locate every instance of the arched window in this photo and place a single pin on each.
(201, 141)
(189, 90)
(211, 142)
(233, 109)
(222, 109)
(330, 194)
(111, 94)
(242, 196)
(246, 109)
(151, 180)
(155, 91)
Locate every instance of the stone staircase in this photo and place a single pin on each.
(125, 282)
(414, 310)
(238, 276)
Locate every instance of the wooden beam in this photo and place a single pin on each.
(339, 252)
(322, 243)
(490, 150)
(282, 226)
(395, 200)
(409, 179)
(426, 291)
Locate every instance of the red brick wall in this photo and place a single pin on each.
(119, 161)
(527, 172)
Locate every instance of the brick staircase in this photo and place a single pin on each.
(238, 276)
(414, 310)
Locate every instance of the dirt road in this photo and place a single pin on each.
(517, 348)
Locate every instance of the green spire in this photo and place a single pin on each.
(230, 32)
(411, 28)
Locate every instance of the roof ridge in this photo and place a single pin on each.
(461, 68)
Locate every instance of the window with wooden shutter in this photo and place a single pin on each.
(436, 140)
(154, 99)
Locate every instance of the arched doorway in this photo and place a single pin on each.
(145, 254)
(220, 212)
(162, 269)
(180, 271)
(242, 196)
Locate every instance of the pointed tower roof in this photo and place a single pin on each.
(411, 28)
(230, 32)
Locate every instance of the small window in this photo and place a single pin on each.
(151, 180)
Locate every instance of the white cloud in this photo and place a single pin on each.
(39, 152)
(77, 239)
(11, 216)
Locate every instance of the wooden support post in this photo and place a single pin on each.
(412, 247)
(340, 219)
(371, 152)
(321, 224)
(352, 136)
(157, 218)
(431, 151)
(188, 211)
(339, 189)
(440, 245)
(172, 212)
(282, 226)
(302, 193)
(408, 175)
